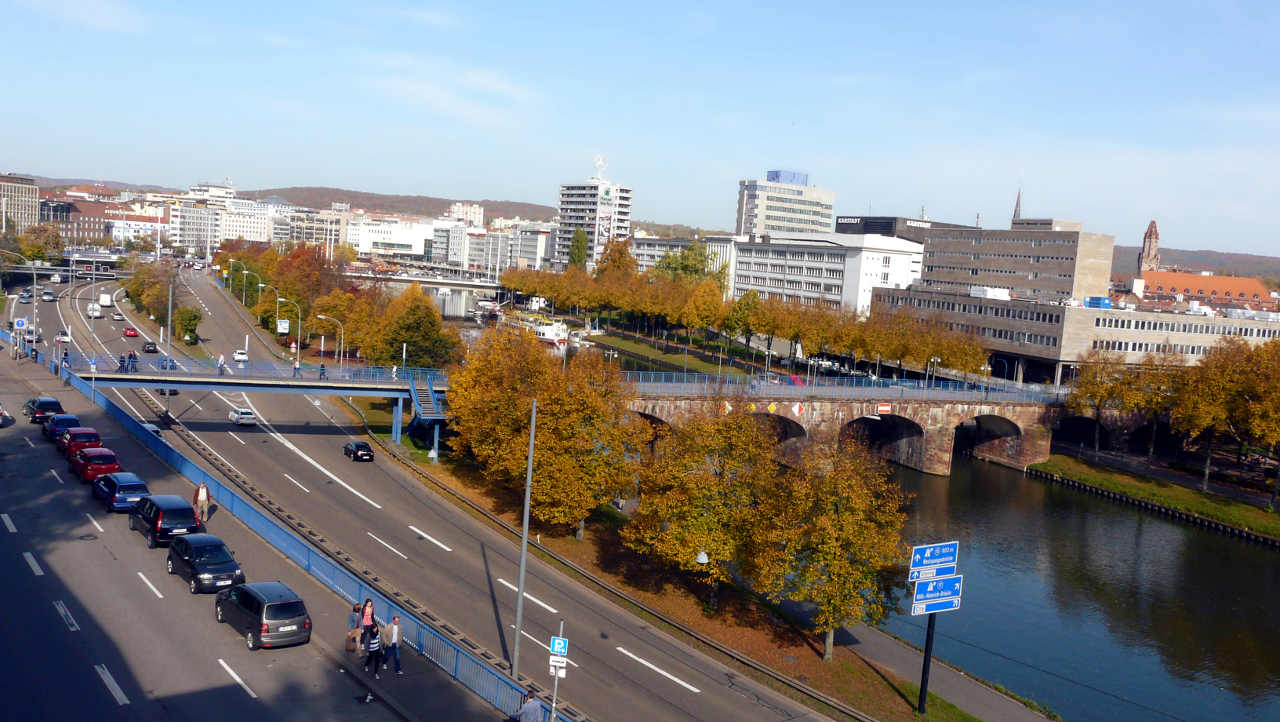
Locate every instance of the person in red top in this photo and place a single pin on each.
(366, 622)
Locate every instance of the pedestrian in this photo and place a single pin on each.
(222, 364)
(122, 363)
(322, 371)
(200, 500)
(353, 629)
(531, 710)
(133, 362)
(366, 621)
(393, 644)
(66, 359)
(297, 369)
(373, 649)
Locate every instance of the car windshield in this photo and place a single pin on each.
(286, 610)
(101, 459)
(132, 489)
(179, 516)
(213, 554)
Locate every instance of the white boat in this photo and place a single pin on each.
(554, 332)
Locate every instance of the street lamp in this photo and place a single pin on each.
(275, 290)
(246, 273)
(232, 262)
(986, 370)
(933, 364)
(297, 356)
(342, 338)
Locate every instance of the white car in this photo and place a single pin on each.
(62, 337)
(239, 355)
(242, 417)
(116, 315)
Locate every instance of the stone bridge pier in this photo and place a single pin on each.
(917, 433)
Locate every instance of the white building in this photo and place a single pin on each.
(389, 237)
(245, 219)
(600, 208)
(471, 214)
(194, 226)
(531, 244)
(783, 203)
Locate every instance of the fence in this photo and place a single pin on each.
(470, 671)
(688, 384)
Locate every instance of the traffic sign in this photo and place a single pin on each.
(884, 408)
(932, 555)
(942, 605)
(557, 672)
(556, 661)
(559, 646)
(19, 324)
(945, 570)
(932, 590)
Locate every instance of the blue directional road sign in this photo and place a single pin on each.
(19, 324)
(944, 605)
(560, 646)
(945, 570)
(932, 555)
(933, 590)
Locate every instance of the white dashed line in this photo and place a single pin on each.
(236, 677)
(237, 438)
(112, 687)
(150, 585)
(429, 538)
(538, 642)
(198, 406)
(528, 596)
(35, 565)
(666, 674)
(295, 482)
(28, 442)
(8, 524)
(66, 616)
(56, 476)
(95, 523)
(397, 551)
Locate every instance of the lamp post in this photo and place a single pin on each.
(933, 365)
(297, 356)
(986, 386)
(246, 273)
(232, 262)
(274, 290)
(342, 338)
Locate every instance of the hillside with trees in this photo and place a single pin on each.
(321, 197)
(1124, 262)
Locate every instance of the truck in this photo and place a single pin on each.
(55, 278)
(93, 310)
(104, 300)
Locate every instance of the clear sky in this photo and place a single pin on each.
(1104, 112)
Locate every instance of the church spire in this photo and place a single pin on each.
(1149, 256)
(1017, 207)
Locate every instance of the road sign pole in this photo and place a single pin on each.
(924, 671)
(524, 546)
(555, 685)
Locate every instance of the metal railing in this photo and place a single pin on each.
(466, 668)
(661, 383)
(82, 364)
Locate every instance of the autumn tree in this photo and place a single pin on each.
(831, 535)
(693, 263)
(1210, 401)
(1098, 385)
(702, 311)
(41, 242)
(1149, 389)
(414, 332)
(1262, 391)
(578, 251)
(185, 321)
(738, 321)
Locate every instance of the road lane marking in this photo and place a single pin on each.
(8, 524)
(528, 596)
(538, 642)
(95, 523)
(397, 551)
(295, 481)
(66, 615)
(198, 406)
(28, 442)
(429, 538)
(126, 403)
(112, 687)
(662, 672)
(35, 565)
(236, 677)
(237, 438)
(55, 475)
(149, 584)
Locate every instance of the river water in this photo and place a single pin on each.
(1094, 609)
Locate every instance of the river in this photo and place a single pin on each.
(1094, 609)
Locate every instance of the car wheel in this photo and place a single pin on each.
(217, 613)
(132, 526)
(151, 541)
(168, 565)
(192, 586)
(249, 641)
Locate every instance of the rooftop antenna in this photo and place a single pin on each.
(977, 222)
(600, 163)
(923, 217)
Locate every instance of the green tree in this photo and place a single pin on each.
(578, 255)
(1098, 386)
(185, 320)
(693, 263)
(738, 321)
(414, 331)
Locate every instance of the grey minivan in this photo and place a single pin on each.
(266, 614)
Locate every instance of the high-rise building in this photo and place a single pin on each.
(471, 214)
(783, 202)
(599, 207)
(1149, 256)
(19, 202)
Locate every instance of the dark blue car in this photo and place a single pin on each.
(59, 423)
(119, 491)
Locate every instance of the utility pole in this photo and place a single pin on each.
(168, 340)
(524, 546)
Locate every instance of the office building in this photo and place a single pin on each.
(783, 203)
(241, 218)
(390, 238)
(600, 208)
(327, 229)
(472, 214)
(19, 203)
(193, 225)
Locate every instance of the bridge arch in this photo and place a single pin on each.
(988, 436)
(896, 438)
(784, 429)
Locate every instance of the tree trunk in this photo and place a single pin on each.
(1097, 430)
(1208, 457)
(581, 530)
(828, 645)
(1151, 443)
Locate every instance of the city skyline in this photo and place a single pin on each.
(1113, 120)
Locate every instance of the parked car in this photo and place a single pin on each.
(130, 332)
(150, 347)
(242, 417)
(267, 614)
(358, 451)
(89, 464)
(161, 517)
(41, 408)
(239, 355)
(119, 491)
(24, 298)
(204, 562)
(152, 428)
(58, 423)
(77, 438)
(115, 315)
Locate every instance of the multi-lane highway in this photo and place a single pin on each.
(97, 628)
(620, 666)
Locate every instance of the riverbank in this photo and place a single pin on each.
(742, 621)
(1169, 496)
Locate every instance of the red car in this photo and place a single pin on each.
(89, 464)
(77, 438)
(130, 331)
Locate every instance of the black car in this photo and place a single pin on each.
(358, 451)
(267, 614)
(162, 517)
(59, 423)
(204, 562)
(41, 408)
(150, 347)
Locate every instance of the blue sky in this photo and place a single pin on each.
(1108, 113)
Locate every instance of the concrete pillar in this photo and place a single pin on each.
(939, 442)
(1057, 374)
(435, 442)
(395, 420)
(1017, 370)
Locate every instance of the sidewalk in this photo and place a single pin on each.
(1158, 469)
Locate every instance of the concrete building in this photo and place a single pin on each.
(327, 229)
(472, 214)
(448, 234)
(531, 244)
(783, 203)
(242, 218)
(600, 208)
(193, 225)
(390, 238)
(19, 203)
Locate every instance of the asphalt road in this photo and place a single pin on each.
(457, 567)
(98, 630)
